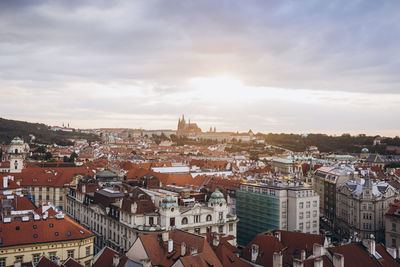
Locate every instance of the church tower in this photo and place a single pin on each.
(16, 152)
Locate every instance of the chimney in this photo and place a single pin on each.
(297, 263)
(303, 255)
(5, 182)
(115, 260)
(277, 234)
(170, 245)
(318, 262)
(183, 249)
(318, 250)
(277, 259)
(165, 236)
(254, 252)
(392, 252)
(193, 251)
(216, 241)
(338, 260)
(370, 245)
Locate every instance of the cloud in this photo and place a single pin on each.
(132, 59)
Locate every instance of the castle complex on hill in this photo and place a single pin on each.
(183, 126)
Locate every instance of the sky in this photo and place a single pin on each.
(270, 66)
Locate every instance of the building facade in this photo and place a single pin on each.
(361, 205)
(285, 205)
(118, 218)
(325, 181)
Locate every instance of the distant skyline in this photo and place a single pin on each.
(270, 66)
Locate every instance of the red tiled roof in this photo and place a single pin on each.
(143, 202)
(45, 262)
(20, 233)
(158, 254)
(267, 246)
(106, 258)
(355, 255)
(54, 177)
(393, 207)
(387, 259)
(10, 183)
(70, 262)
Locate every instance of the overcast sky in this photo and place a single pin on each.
(272, 66)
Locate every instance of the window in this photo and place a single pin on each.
(301, 215)
(40, 189)
(2, 262)
(35, 258)
(394, 244)
(284, 214)
(61, 198)
(185, 220)
(308, 225)
(307, 214)
(52, 256)
(301, 205)
(208, 218)
(301, 226)
(314, 213)
(209, 229)
(284, 204)
(19, 258)
(70, 253)
(47, 197)
(151, 220)
(40, 197)
(88, 251)
(307, 204)
(47, 189)
(172, 221)
(393, 226)
(230, 227)
(197, 231)
(221, 216)
(221, 229)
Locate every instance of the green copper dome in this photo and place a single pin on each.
(217, 197)
(168, 202)
(17, 141)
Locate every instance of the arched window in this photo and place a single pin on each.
(185, 220)
(208, 218)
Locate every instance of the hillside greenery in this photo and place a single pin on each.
(42, 133)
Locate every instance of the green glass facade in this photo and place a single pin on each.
(257, 213)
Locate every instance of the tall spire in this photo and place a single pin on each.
(367, 182)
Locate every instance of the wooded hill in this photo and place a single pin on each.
(43, 135)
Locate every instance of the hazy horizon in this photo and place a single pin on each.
(293, 67)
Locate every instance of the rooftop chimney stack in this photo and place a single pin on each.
(165, 236)
(303, 255)
(170, 245)
(317, 250)
(5, 182)
(277, 259)
(338, 260)
(115, 260)
(297, 263)
(183, 249)
(278, 235)
(318, 262)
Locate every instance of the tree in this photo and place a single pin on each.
(73, 157)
